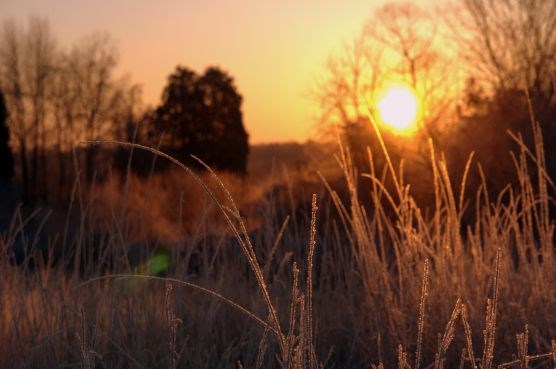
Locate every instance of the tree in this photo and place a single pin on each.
(6, 158)
(133, 124)
(26, 64)
(38, 66)
(92, 65)
(399, 43)
(509, 49)
(12, 83)
(56, 100)
(201, 116)
(511, 45)
(408, 31)
(64, 99)
(26, 68)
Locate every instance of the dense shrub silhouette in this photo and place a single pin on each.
(201, 115)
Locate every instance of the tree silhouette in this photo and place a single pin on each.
(201, 116)
(509, 49)
(6, 158)
(58, 98)
(510, 45)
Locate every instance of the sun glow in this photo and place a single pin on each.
(398, 107)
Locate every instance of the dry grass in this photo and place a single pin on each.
(280, 279)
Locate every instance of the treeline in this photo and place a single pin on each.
(483, 72)
(58, 98)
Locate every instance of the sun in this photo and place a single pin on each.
(398, 107)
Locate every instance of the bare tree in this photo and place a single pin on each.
(127, 114)
(418, 56)
(26, 64)
(64, 103)
(408, 31)
(349, 80)
(12, 84)
(39, 52)
(511, 44)
(92, 64)
(6, 157)
(400, 43)
(58, 99)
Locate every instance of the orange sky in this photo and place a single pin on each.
(274, 49)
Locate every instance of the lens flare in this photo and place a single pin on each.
(398, 108)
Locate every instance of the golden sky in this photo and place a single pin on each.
(274, 49)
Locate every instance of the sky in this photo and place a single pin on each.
(275, 50)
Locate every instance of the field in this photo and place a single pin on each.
(214, 271)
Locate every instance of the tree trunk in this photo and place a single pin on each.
(24, 170)
(35, 163)
(44, 162)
